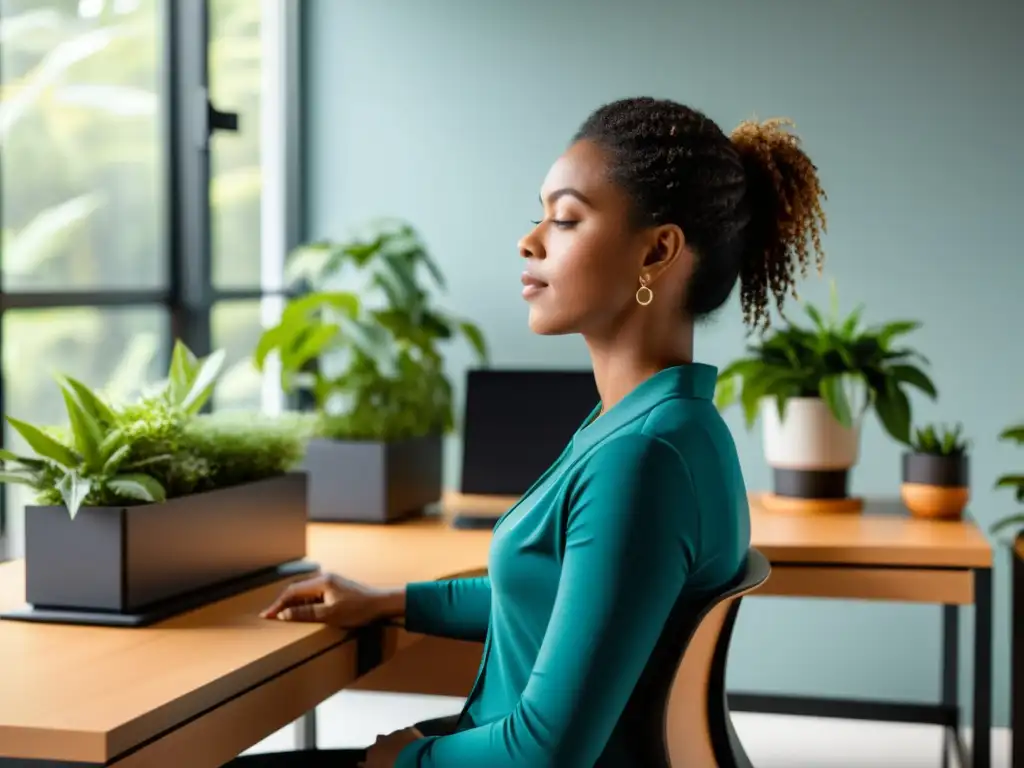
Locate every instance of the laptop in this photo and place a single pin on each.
(515, 424)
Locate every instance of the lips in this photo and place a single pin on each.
(532, 285)
(530, 281)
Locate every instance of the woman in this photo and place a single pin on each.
(650, 218)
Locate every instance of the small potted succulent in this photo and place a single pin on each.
(811, 386)
(936, 473)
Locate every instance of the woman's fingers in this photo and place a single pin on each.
(304, 612)
(296, 594)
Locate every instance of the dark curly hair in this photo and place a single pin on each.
(749, 205)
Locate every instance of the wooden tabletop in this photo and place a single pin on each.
(90, 693)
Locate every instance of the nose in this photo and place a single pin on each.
(530, 246)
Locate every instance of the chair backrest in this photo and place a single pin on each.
(678, 715)
(698, 730)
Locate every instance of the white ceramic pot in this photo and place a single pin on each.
(809, 438)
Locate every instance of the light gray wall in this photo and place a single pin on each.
(450, 112)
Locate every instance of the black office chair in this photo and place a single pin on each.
(679, 711)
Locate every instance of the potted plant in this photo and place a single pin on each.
(936, 473)
(1014, 523)
(369, 361)
(812, 386)
(149, 508)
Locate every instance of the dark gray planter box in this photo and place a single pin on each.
(373, 482)
(138, 564)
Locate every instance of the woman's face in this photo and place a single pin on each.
(583, 260)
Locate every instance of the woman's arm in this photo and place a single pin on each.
(630, 544)
(459, 609)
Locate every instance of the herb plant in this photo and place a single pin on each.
(369, 359)
(834, 359)
(157, 448)
(1015, 482)
(939, 440)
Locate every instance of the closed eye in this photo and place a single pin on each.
(560, 223)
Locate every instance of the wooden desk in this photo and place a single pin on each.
(197, 690)
(193, 691)
(880, 554)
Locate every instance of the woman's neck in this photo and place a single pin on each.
(627, 359)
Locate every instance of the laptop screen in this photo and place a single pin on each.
(517, 422)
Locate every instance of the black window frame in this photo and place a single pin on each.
(189, 120)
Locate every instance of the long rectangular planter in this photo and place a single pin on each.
(133, 565)
(372, 481)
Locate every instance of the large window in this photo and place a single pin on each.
(124, 222)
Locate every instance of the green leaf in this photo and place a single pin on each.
(890, 331)
(396, 276)
(832, 392)
(182, 371)
(893, 409)
(18, 478)
(370, 339)
(310, 347)
(1016, 434)
(1007, 522)
(908, 374)
(73, 490)
(25, 461)
(138, 486)
(203, 382)
(1010, 480)
(313, 303)
(85, 430)
(815, 316)
(273, 338)
(476, 339)
(725, 392)
(849, 328)
(149, 461)
(111, 443)
(90, 401)
(44, 445)
(112, 462)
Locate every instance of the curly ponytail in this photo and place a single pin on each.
(786, 220)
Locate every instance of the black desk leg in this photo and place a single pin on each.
(951, 684)
(981, 743)
(305, 734)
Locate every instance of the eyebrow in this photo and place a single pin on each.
(567, 191)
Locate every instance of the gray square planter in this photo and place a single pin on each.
(130, 566)
(373, 482)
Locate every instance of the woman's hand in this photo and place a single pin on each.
(386, 749)
(337, 601)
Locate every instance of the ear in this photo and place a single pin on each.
(667, 248)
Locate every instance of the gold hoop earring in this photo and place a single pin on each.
(644, 295)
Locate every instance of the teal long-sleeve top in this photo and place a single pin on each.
(646, 502)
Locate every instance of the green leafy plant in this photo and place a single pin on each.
(157, 448)
(835, 358)
(370, 358)
(939, 440)
(1014, 481)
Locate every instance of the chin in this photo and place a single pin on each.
(544, 324)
